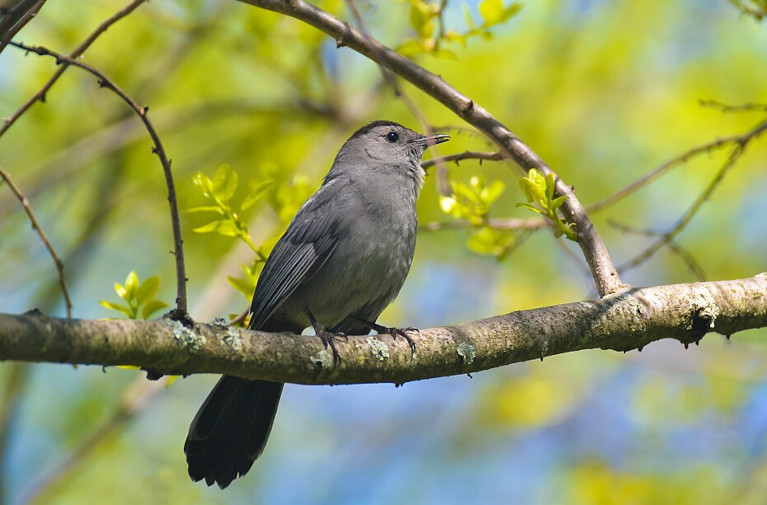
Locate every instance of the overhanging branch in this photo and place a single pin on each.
(631, 320)
(597, 256)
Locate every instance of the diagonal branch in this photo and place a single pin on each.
(682, 222)
(466, 155)
(602, 268)
(672, 163)
(36, 225)
(631, 320)
(105, 82)
(78, 51)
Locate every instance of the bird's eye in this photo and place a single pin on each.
(392, 137)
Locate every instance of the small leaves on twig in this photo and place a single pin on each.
(427, 19)
(138, 295)
(471, 202)
(221, 190)
(539, 191)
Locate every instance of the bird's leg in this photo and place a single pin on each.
(327, 337)
(394, 332)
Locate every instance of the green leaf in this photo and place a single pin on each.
(445, 54)
(455, 36)
(511, 11)
(203, 182)
(116, 306)
(152, 307)
(422, 18)
(492, 11)
(530, 207)
(131, 285)
(557, 202)
(224, 183)
(206, 208)
(225, 227)
(255, 194)
(569, 232)
(532, 191)
(492, 192)
(147, 290)
(411, 47)
(463, 191)
(447, 204)
(242, 285)
(467, 15)
(120, 290)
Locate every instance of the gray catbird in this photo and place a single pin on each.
(342, 260)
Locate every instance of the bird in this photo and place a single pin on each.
(340, 263)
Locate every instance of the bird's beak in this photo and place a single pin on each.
(431, 140)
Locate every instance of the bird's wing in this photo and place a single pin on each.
(308, 242)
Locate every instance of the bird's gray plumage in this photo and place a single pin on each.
(342, 260)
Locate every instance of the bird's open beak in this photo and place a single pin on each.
(431, 140)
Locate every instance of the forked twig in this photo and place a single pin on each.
(78, 51)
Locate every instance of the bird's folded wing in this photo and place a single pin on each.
(309, 241)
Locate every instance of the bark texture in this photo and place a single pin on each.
(630, 320)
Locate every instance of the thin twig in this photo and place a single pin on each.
(105, 82)
(441, 20)
(687, 258)
(509, 224)
(443, 186)
(682, 222)
(745, 107)
(8, 29)
(600, 264)
(582, 267)
(466, 155)
(659, 171)
(36, 225)
(78, 51)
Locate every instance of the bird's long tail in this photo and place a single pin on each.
(230, 430)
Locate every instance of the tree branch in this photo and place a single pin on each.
(36, 225)
(158, 149)
(631, 320)
(683, 221)
(466, 155)
(78, 51)
(598, 258)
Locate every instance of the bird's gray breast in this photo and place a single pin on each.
(376, 241)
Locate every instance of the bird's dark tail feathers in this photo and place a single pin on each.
(231, 428)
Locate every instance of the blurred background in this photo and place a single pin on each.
(604, 91)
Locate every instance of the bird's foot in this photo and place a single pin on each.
(328, 338)
(397, 332)
(402, 332)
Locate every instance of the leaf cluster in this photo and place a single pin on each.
(139, 297)
(472, 202)
(539, 191)
(426, 18)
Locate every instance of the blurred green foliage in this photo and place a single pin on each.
(603, 90)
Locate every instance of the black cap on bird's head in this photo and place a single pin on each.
(394, 133)
(388, 142)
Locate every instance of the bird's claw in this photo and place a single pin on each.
(328, 339)
(402, 332)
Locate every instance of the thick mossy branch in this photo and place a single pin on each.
(631, 320)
